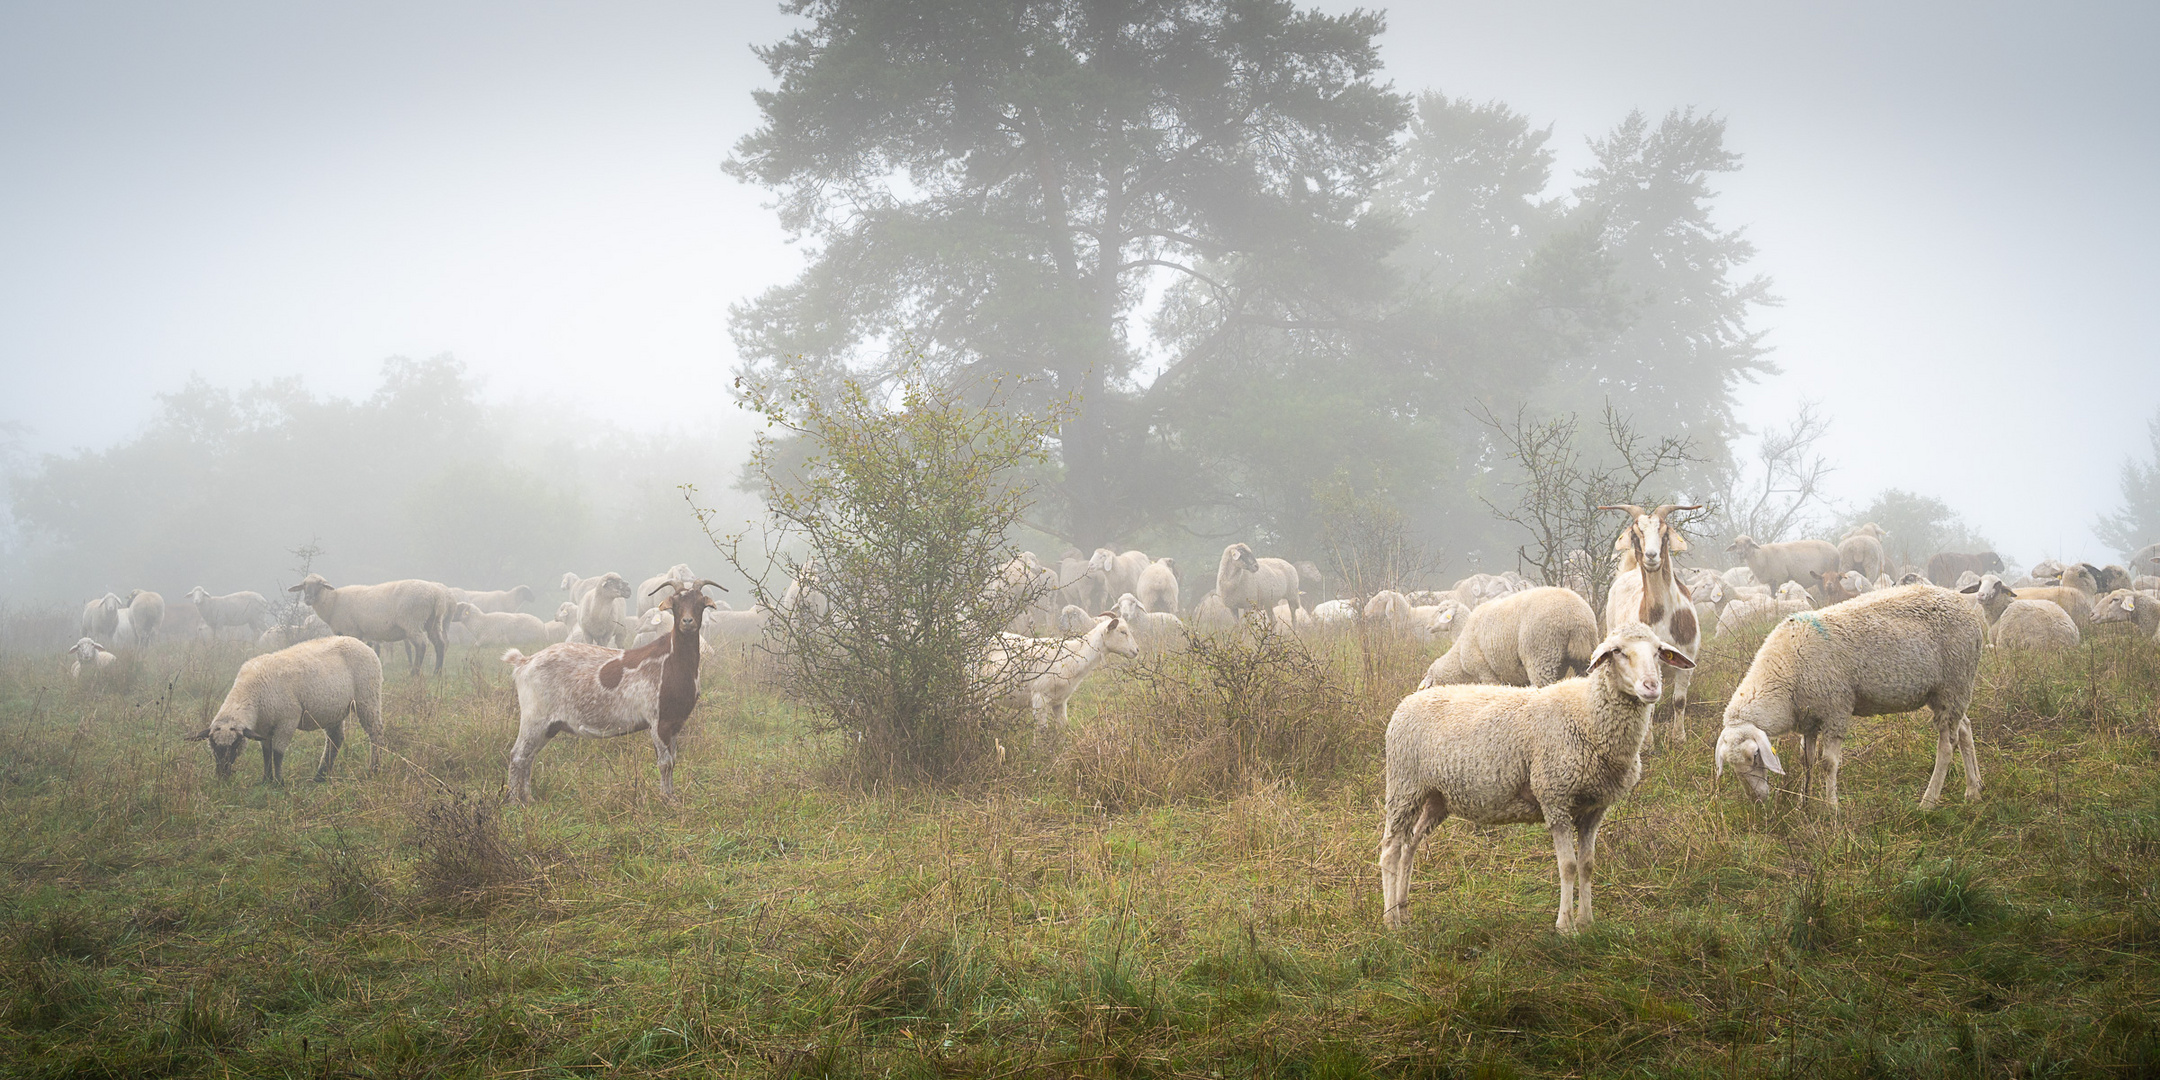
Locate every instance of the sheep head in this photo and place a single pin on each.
(311, 589)
(197, 595)
(1743, 545)
(227, 733)
(1633, 657)
(523, 594)
(1117, 635)
(85, 650)
(1747, 749)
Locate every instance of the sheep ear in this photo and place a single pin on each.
(252, 735)
(1766, 754)
(1603, 653)
(294, 588)
(1972, 588)
(199, 736)
(1674, 658)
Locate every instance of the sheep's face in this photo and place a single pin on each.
(1743, 546)
(1747, 751)
(2117, 606)
(198, 594)
(84, 650)
(1636, 659)
(1129, 608)
(310, 589)
(1118, 636)
(227, 734)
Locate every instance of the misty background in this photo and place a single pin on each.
(447, 291)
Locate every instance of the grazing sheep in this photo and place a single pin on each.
(248, 609)
(1428, 622)
(1391, 609)
(310, 686)
(88, 651)
(1886, 652)
(2128, 605)
(1947, 565)
(1530, 638)
(1153, 627)
(1041, 674)
(1247, 582)
(285, 636)
(1157, 587)
(558, 629)
(496, 600)
(599, 614)
(499, 627)
(1080, 584)
(1335, 611)
(411, 611)
(1792, 598)
(595, 692)
(1793, 560)
(1561, 755)
(1863, 553)
(1648, 591)
(1740, 576)
(2035, 625)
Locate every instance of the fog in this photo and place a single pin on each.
(1945, 197)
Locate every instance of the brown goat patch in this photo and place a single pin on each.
(611, 673)
(1683, 627)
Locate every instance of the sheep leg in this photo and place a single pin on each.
(435, 634)
(270, 763)
(1972, 758)
(1405, 824)
(1809, 748)
(368, 708)
(1564, 854)
(1946, 737)
(336, 733)
(1832, 751)
(1586, 827)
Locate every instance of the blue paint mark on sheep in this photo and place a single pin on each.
(1811, 621)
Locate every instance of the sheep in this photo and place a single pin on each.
(1041, 674)
(647, 601)
(1886, 652)
(411, 611)
(1791, 598)
(1740, 575)
(1529, 638)
(101, 617)
(1073, 620)
(1121, 571)
(595, 692)
(1745, 611)
(285, 636)
(1153, 627)
(1080, 584)
(2128, 605)
(497, 600)
(1429, 621)
(1861, 552)
(499, 627)
(1870, 530)
(2034, 625)
(2145, 560)
(1947, 565)
(140, 614)
(1561, 754)
(1648, 592)
(1390, 608)
(1249, 583)
(1026, 588)
(558, 629)
(1335, 611)
(310, 686)
(88, 651)
(1793, 560)
(1212, 614)
(599, 614)
(248, 609)
(2075, 602)
(577, 586)
(1157, 586)
(722, 624)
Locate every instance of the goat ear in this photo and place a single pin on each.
(1674, 658)
(1766, 754)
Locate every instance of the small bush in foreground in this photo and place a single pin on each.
(1946, 889)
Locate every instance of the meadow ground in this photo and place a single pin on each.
(1188, 891)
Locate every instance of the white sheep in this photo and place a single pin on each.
(140, 619)
(1153, 627)
(1430, 622)
(1793, 560)
(411, 611)
(1530, 638)
(1390, 609)
(648, 590)
(1945, 566)
(1863, 553)
(495, 600)
(1041, 674)
(599, 613)
(284, 635)
(1249, 583)
(599, 693)
(248, 609)
(2129, 605)
(2034, 625)
(1157, 586)
(310, 686)
(1212, 614)
(499, 627)
(1080, 584)
(1335, 611)
(1560, 754)
(1745, 610)
(1073, 619)
(1886, 652)
(88, 651)
(1121, 570)
(101, 617)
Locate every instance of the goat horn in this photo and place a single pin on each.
(663, 585)
(702, 582)
(1632, 509)
(1668, 508)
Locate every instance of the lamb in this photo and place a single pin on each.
(558, 629)
(1041, 674)
(1861, 552)
(1249, 583)
(1793, 560)
(595, 692)
(1646, 591)
(1530, 638)
(1157, 587)
(310, 686)
(1562, 754)
(499, 627)
(1886, 652)
(599, 614)
(88, 651)
(1947, 565)
(2035, 625)
(2124, 605)
(411, 611)
(1153, 627)
(247, 609)
(496, 600)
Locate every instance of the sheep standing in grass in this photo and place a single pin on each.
(88, 651)
(1041, 674)
(1792, 560)
(144, 612)
(247, 609)
(1561, 754)
(499, 627)
(411, 611)
(599, 613)
(495, 600)
(1887, 652)
(1247, 582)
(1157, 628)
(1157, 587)
(1530, 638)
(310, 686)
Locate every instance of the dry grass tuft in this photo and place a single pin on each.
(466, 863)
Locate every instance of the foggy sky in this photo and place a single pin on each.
(1952, 198)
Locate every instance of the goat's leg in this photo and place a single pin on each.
(529, 741)
(1682, 678)
(336, 733)
(664, 750)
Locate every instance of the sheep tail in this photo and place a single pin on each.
(515, 658)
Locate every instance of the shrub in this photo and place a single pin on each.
(466, 863)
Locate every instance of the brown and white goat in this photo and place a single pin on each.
(1647, 591)
(595, 692)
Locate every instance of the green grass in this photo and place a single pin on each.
(778, 922)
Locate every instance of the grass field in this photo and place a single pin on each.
(1132, 909)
